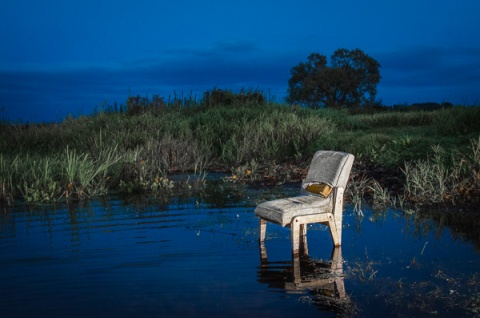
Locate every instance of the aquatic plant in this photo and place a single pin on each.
(355, 192)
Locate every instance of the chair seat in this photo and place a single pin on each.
(282, 211)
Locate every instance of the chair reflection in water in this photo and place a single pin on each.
(325, 279)
(320, 202)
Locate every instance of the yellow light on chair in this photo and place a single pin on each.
(319, 188)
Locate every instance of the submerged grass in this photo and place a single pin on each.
(434, 154)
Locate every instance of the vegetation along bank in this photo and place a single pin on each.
(405, 157)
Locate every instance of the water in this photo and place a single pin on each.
(197, 255)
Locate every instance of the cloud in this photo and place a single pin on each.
(235, 47)
(228, 63)
(50, 93)
(428, 66)
(430, 74)
(58, 91)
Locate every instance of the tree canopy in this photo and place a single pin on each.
(349, 81)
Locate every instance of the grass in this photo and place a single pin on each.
(411, 156)
(444, 176)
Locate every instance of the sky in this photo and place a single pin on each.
(61, 57)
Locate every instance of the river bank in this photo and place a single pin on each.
(404, 157)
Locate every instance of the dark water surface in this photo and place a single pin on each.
(197, 255)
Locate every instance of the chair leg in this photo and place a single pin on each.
(263, 254)
(303, 239)
(337, 241)
(337, 260)
(338, 214)
(297, 273)
(295, 236)
(263, 230)
(337, 271)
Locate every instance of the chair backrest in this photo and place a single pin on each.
(330, 167)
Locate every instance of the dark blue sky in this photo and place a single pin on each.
(68, 56)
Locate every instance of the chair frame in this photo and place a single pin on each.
(298, 224)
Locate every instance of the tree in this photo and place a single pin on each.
(350, 80)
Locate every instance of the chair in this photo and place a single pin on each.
(328, 170)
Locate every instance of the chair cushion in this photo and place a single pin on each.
(321, 189)
(281, 211)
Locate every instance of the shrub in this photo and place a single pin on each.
(219, 97)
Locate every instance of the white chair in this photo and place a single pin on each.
(329, 170)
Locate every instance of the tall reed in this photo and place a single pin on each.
(39, 181)
(85, 176)
(445, 177)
